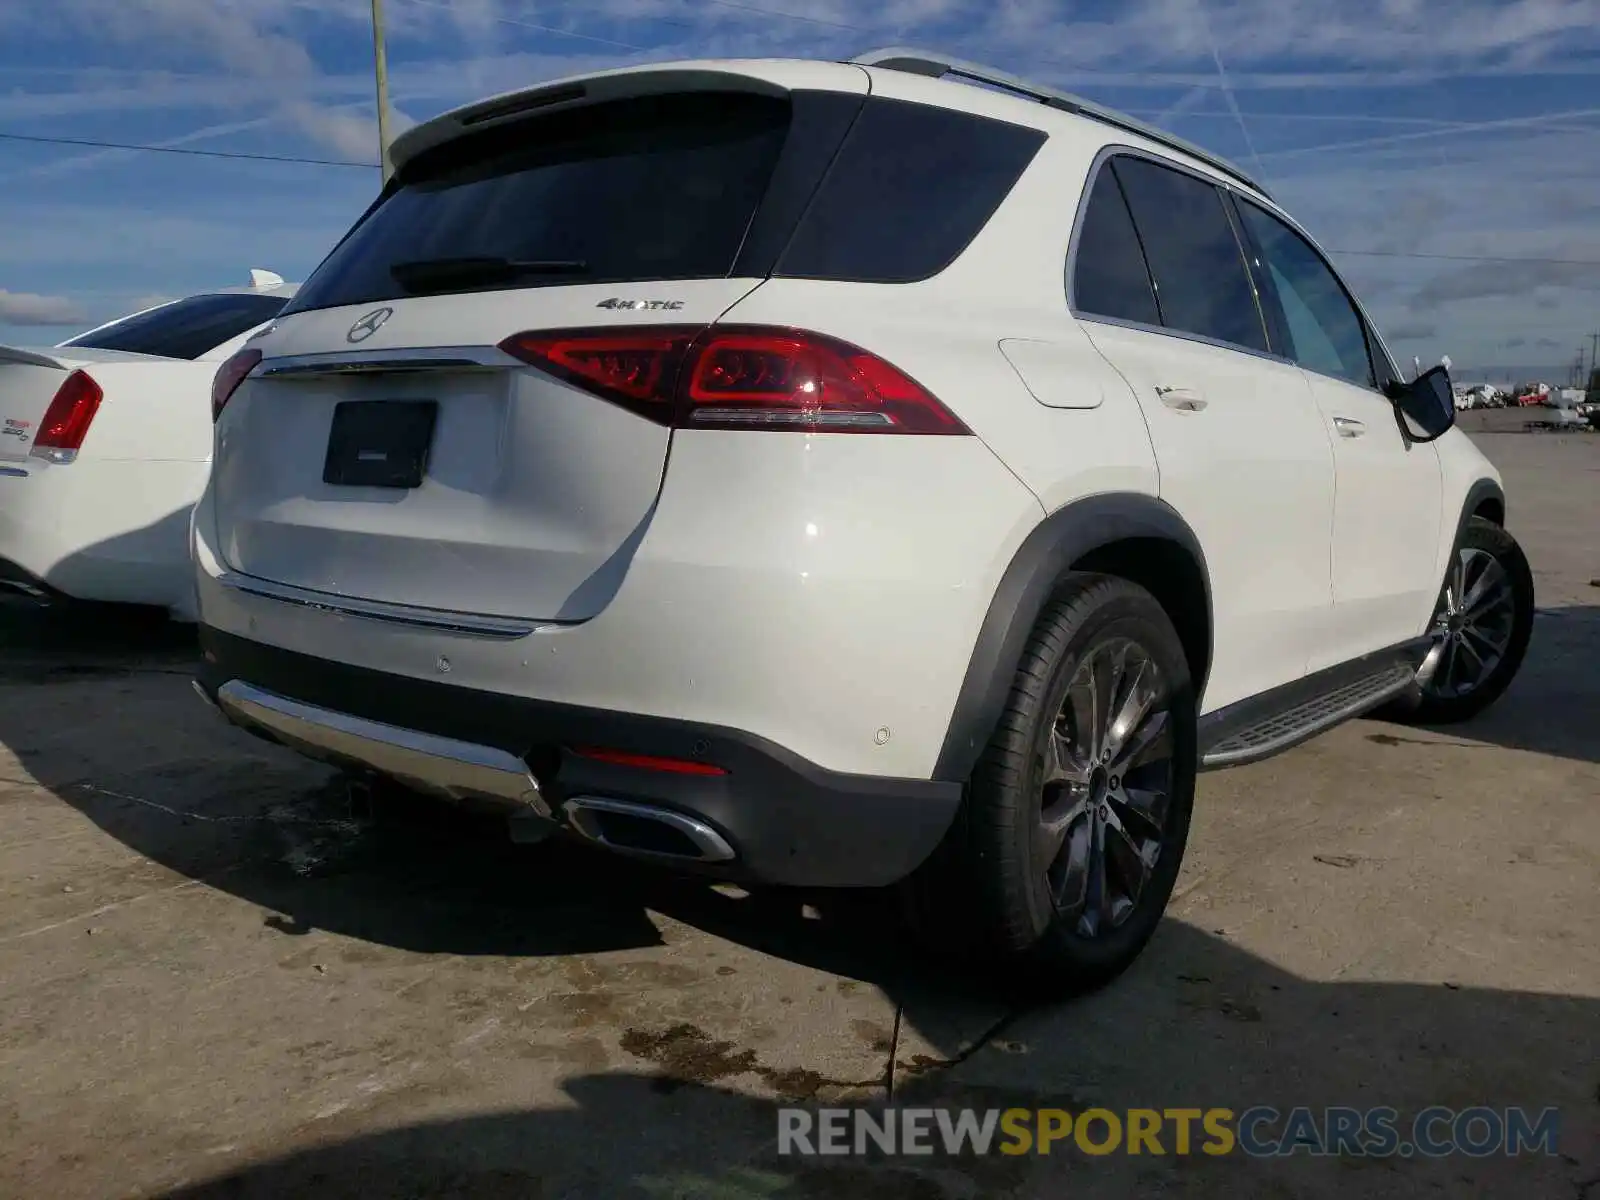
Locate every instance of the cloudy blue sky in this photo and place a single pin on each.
(1464, 132)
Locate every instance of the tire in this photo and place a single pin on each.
(989, 892)
(1448, 696)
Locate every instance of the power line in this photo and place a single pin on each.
(94, 144)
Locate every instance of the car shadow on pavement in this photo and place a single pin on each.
(149, 764)
(1553, 705)
(1197, 1023)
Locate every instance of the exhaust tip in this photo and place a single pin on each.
(646, 830)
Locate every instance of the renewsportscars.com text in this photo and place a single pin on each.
(1257, 1132)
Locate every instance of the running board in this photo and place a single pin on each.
(1269, 731)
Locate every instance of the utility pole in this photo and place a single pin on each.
(380, 66)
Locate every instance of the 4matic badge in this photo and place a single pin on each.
(651, 305)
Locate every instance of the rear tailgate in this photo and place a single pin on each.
(533, 494)
(634, 211)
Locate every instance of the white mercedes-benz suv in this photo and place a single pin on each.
(836, 474)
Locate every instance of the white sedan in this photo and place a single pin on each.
(105, 444)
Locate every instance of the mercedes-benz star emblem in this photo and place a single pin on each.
(368, 325)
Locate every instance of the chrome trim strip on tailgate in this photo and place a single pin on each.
(470, 624)
(444, 766)
(358, 362)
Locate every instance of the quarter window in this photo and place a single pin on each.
(1109, 277)
(911, 187)
(1201, 282)
(1325, 331)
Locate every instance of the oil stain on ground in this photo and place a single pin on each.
(685, 1054)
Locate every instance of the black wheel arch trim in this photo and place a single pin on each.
(1483, 489)
(1036, 571)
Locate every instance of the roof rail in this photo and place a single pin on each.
(937, 66)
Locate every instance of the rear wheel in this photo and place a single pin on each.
(1074, 825)
(1480, 629)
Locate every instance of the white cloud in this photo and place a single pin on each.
(266, 61)
(29, 308)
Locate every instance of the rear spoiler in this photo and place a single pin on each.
(69, 358)
(32, 358)
(616, 84)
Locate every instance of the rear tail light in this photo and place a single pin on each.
(648, 762)
(228, 378)
(739, 378)
(66, 422)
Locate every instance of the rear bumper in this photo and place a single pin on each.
(822, 593)
(780, 818)
(100, 530)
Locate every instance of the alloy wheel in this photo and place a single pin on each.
(1107, 781)
(1473, 627)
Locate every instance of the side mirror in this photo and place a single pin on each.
(1426, 405)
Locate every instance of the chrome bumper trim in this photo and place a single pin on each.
(459, 771)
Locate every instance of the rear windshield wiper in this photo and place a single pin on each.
(438, 274)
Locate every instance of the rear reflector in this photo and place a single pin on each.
(66, 422)
(229, 376)
(648, 762)
(739, 377)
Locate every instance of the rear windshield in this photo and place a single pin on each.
(185, 328)
(662, 187)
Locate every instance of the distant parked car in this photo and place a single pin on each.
(105, 445)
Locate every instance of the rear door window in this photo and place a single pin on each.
(1202, 284)
(1109, 277)
(661, 187)
(911, 187)
(185, 328)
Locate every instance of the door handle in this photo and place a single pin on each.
(1349, 427)
(1181, 398)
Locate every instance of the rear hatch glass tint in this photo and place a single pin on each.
(653, 188)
